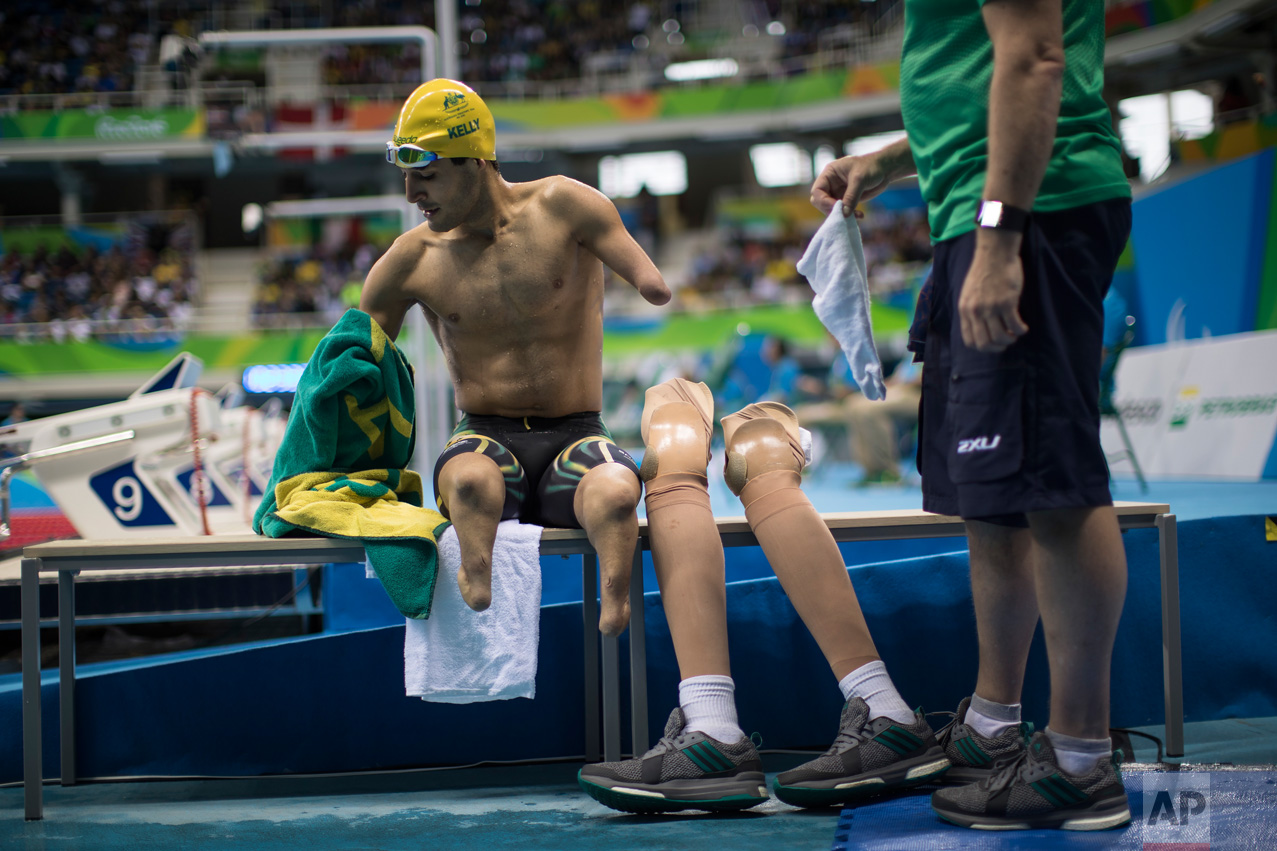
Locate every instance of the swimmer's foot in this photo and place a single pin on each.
(475, 583)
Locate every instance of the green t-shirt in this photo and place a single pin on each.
(945, 70)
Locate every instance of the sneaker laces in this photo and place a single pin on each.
(945, 733)
(849, 738)
(675, 742)
(1007, 770)
(666, 744)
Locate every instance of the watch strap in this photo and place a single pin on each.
(996, 214)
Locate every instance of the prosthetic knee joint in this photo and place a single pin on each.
(676, 429)
(762, 438)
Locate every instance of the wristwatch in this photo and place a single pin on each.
(995, 214)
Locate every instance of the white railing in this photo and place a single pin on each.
(138, 331)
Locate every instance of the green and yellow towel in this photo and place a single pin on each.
(341, 470)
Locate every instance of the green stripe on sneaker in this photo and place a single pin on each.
(909, 737)
(1058, 792)
(707, 758)
(716, 756)
(1065, 788)
(903, 735)
(900, 741)
(698, 759)
(1048, 794)
(972, 752)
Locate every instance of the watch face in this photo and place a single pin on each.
(990, 214)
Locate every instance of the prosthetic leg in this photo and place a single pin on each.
(764, 460)
(764, 463)
(686, 550)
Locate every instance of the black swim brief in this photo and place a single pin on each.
(543, 460)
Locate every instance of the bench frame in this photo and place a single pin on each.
(68, 558)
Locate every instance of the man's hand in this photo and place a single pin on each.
(855, 179)
(989, 305)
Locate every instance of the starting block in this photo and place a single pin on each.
(171, 459)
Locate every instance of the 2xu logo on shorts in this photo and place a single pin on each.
(983, 443)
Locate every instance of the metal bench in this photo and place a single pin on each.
(67, 558)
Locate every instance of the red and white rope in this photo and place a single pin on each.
(197, 477)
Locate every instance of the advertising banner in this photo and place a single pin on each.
(112, 125)
(1199, 408)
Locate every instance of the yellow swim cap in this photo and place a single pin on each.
(448, 118)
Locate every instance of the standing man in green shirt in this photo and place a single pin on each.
(1029, 209)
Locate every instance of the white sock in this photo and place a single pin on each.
(1078, 756)
(992, 719)
(872, 684)
(709, 707)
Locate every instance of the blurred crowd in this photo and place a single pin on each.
(143, 285)
(100, 46)
(744, 269)
(538, 41)
(85, 48)
(312, 288)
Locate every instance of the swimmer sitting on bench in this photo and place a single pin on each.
(510, 276)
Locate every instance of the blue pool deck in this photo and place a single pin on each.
(540, 807)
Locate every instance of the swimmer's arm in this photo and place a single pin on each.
(382, 296)
(597, 226)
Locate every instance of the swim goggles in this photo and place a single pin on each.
(409, 156)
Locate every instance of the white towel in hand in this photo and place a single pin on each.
(458, 655)
(834, 265)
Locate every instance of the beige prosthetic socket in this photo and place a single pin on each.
(764, 466)
(676, 427)
(686, 549)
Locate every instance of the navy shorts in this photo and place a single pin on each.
(543, 460)
(1005, 433)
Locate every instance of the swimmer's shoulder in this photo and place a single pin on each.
(571, 200)
(562, 193)
(402, 259)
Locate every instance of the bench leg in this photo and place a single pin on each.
(610, 664)
(1172, 663)
(66, 673)
(638, 658)
(32, 758)
(590, 619)
(611, 700)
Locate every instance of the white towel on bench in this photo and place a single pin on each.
(458, 655)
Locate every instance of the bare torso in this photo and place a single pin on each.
(519, 314)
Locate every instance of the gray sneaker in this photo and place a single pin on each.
(1033, 791)
(685, 771)
(867, 758)
(973, 756)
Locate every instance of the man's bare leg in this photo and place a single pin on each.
(606, 504)
(1081, 587)
(474, 491)
(1006, 608)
